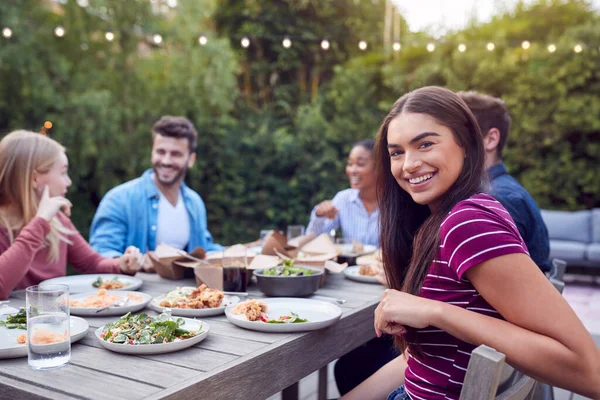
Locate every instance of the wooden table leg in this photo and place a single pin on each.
(290, 392)
(323, 383)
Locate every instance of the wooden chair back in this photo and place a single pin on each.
(488, 379)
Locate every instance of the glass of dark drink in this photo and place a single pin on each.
(235, 274)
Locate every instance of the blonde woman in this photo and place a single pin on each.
(37, 237)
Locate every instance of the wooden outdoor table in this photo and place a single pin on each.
(230, 363)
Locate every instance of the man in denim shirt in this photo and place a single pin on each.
(494, 121)
(157, 207)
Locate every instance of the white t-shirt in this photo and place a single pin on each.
(173, 223)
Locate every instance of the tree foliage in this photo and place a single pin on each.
(276, 124)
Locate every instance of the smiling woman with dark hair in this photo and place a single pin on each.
(459, 272)
(354, 210)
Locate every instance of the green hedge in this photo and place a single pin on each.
(263, 165)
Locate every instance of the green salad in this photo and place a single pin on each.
(114, 283)
(293, 318)
(144, 329)
(16, 321)
(287, 269)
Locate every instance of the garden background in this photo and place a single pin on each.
(276, 123)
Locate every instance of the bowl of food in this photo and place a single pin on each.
(288, 280)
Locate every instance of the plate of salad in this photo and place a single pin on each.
(145, 334)
(13, 333)
(88, 283)
(283, 314)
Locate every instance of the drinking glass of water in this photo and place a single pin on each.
(48, 326)
(294, 231)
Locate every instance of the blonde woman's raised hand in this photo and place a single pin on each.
(326, 209)
(398, 310)
(49, 206)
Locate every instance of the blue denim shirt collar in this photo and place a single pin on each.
(496, 170)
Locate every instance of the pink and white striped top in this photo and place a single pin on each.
(476, 230)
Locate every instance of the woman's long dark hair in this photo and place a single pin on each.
(409, 231)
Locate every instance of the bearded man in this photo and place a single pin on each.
(157, 207)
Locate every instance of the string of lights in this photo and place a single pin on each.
(287, 42)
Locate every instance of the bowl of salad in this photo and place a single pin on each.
(288, 280)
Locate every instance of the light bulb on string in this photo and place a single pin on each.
(245, 42)
(491, 46)
(59, 31)
(552, 48)
(202, 40)
(286, 42)
(462, 47)
(362, 45)
(157, 38)
(396, 46)
(431, 47)
(525, 45)
(7, 32)
(325, 44)
(110, 36)
(578, 48)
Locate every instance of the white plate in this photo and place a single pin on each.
(319, 314)
(346, 250)
(130, 306)
(83, 283)
(9, 348)
(195, 312)
(190, 324)
(353, 273)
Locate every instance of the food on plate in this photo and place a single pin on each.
(16, 321)
(22, 339)
(198, 298)
(368, 270)
(44, 336)
(255, 310)
(357, 247)
(112, 284)
(144, 329)
(287, 269)
(292, 318)
(102, 299)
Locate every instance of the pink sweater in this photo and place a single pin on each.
(25, 262)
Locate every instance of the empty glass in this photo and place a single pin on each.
(48, 326)
(294, 231)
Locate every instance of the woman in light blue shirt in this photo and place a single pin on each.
(353, 210)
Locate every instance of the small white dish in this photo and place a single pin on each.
(189, 324)
(346, 250)
(9, 348)
(132, 304)
(353, 273)
(320, 314)
(228, 300)
(84, 283)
